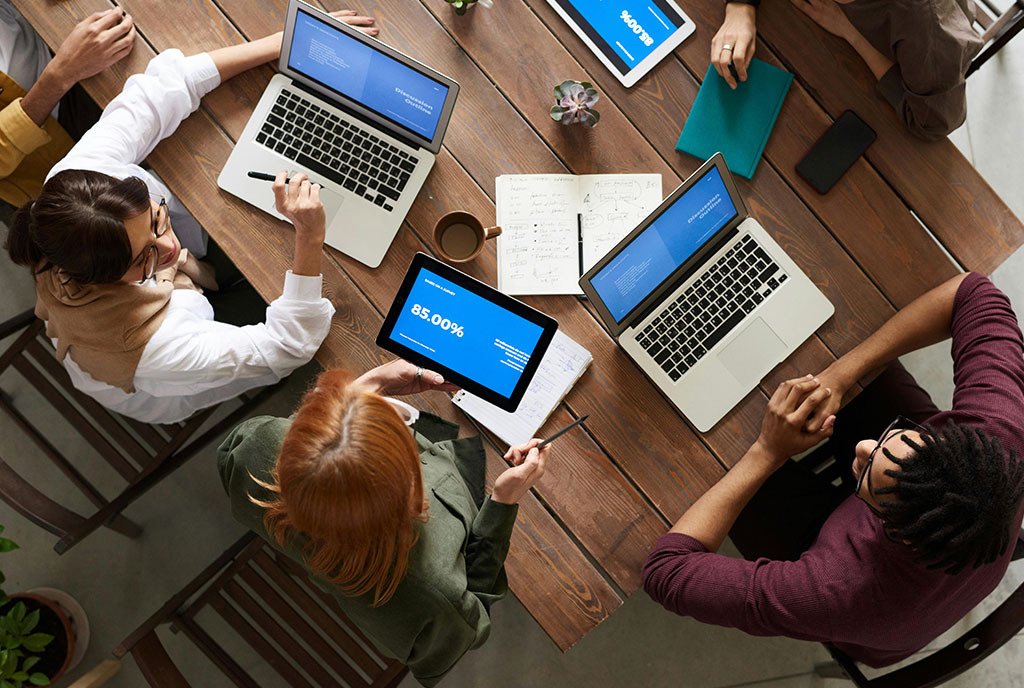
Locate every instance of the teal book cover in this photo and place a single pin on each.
(737, 123)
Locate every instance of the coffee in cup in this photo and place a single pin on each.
(460, 236)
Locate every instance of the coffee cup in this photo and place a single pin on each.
(460, 237)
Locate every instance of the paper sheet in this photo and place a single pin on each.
(556, 226)
(563, 364)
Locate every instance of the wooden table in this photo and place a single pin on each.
(610, 491)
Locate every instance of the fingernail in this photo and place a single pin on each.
(810, 375)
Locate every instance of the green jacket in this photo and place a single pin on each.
(456, 569)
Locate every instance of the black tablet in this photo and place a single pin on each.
(478, 338)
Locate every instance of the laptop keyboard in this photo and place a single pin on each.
(336, 149)
(711, 307)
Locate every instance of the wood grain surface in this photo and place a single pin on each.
(611, 490)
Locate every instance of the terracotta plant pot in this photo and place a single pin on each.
(63, 618)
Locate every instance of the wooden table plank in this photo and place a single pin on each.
(547, 570)
(934, 178)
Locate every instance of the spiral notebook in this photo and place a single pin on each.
(563, 364)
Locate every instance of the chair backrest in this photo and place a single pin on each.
(255, 595)
(998, 29)
(987, 636)
(134, 453)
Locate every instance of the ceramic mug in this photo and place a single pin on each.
(460, 237)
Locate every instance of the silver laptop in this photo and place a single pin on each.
(703, 299)
(360, 118)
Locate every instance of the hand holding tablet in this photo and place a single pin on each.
(476, 337)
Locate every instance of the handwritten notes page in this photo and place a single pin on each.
(562, 365)
(556, 226)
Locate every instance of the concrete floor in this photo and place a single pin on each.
(187, 522)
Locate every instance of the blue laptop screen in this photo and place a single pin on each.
(466, 333)
(373, 79)
(655, 253)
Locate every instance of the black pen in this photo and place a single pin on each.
(561, 432)
(263, 176)
(579, 236)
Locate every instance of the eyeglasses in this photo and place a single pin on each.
(149, 257)
(409, 414)
(899, 424)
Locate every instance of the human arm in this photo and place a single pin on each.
(235, 59)
(399, 378)
(739, 31)
(923, 322)
(782, 435)
(152, 105)
(96, 42)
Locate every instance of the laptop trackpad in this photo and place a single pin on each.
(332, 203)
(753, 353)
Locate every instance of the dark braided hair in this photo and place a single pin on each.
(955, 498)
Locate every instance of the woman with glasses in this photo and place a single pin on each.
(922, 526)
(385, 507)
(114, 257)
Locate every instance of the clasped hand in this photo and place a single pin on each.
(801, 413)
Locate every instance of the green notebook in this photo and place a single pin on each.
(737, 123)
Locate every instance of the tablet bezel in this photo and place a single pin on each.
(547, 324)
(647, 64)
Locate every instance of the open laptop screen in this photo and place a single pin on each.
(375, 80)
(655, 253)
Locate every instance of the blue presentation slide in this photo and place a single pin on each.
(369, 77)
(466, 333)
(656, 252)
(632, 29)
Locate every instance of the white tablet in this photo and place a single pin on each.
(628, 36)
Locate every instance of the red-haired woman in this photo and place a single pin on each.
(385, 507)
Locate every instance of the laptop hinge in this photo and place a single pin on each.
(352, 113)
(685, 274)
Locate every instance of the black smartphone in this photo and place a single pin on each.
(836, 151)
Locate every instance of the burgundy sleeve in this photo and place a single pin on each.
(988, 361)
(760, 597)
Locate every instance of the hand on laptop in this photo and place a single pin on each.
(782, 431)
(400, 377)
(364, 24)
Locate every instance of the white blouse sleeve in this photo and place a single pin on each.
(190, 355)
(148, 110)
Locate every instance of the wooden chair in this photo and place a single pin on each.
(998, 29)
(265, 598)
(142, 455)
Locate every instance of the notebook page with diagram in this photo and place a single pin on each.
(556, 226)
(563, 364)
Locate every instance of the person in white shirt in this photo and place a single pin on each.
(105, 241)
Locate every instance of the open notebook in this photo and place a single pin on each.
(556, 226)
(562, 365)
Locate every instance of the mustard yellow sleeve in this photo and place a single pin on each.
(19, 136)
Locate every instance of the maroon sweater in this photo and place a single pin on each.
(854, 587)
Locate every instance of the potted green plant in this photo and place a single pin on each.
(574, 103)
(463, 6)
(43, 633)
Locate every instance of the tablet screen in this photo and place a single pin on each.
(625, 31)
(477, 337)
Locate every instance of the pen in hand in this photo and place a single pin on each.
(263, 176)
(561, 432)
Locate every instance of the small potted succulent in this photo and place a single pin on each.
(43, 633)
(463, 6)
(574, 103)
